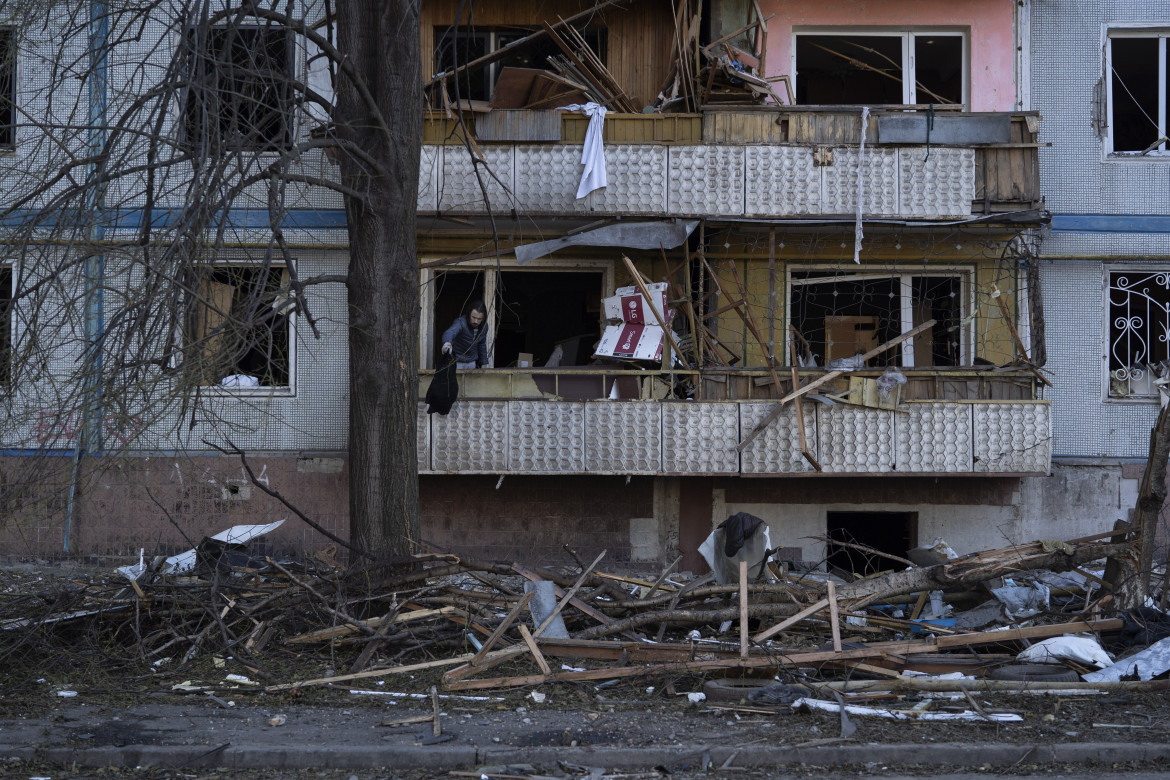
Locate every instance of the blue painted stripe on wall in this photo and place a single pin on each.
(1111, 223)
(131, 219)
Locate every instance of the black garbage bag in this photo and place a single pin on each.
(444, 388)
(1143, 626)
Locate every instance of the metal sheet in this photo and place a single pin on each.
(922, 128)
(628, 235)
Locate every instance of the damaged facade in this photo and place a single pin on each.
(893, 182)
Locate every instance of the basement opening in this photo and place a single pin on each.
(889, 532)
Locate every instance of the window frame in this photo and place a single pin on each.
(905, 274)
(907, 34)
(1107, 324)
(1120, 31)
(285, 390)
(427, 325)
(288, 117)
(9, 326)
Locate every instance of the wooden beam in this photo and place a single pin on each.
(829, 377)
(500, 629)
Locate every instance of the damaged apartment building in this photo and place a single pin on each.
(796, 267)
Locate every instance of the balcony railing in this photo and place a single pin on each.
(794, 162)
(519, 422)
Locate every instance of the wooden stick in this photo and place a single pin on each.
(799, 616)
(459, 659)
(532, 648)
(490, 642)
(829, 377)
(662, 577)
(568, 596)
(532, 576)
(436, 726)
(1003, 309)
(798, 408)
(833, 617)
(650, 302)
(743, 610)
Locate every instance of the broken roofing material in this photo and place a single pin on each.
(184, 563)
(627, 235)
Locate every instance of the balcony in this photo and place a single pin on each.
(599, 421)
(787, 162)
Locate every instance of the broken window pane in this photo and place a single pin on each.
(850, 315)
(239, 325)
(1139, 331)
(240, 93)
(6, 324)
(7, 88)
(1136, 88)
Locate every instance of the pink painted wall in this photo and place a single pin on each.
(991, 24)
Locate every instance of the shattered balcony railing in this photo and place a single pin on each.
(794, 163)
(602, 421)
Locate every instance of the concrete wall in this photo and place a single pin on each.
(991, 23)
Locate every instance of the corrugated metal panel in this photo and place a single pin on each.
(519, 125)
(933, 438)
(623, 437)
(777, 449)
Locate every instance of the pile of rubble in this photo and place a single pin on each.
(757, 634)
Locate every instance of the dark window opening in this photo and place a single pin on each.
(6, 325)
(870, 69)
(7, 88)
(1136, 89)
(889, 532)
(239, 326)
(536, 312)
(845, 318)
(240, 93)
(458, 47)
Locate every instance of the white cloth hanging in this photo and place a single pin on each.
(592, 153)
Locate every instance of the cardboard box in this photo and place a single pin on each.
(524, 360)
(631, 340)
(849, 336)
(629, 305)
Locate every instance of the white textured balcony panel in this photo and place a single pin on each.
(781, 180)
(460, 188)
(547, 177)
(777, 449)
(546, 437)
(699, 438)
(879, 175)
(1012, 438)
(423, 439)
(623, 437)
(473, 438)
(936, 181)
(706, 179)
(855, 440)
(428, 179)
(934, 437)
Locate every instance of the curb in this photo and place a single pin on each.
(444, 758)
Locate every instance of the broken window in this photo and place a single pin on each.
(239, 327)
(844, 315)
(7, 323)
(1139, 332)
(455, 47)
(7, 88)
(877, 68)
(550, 315)
(240, 91)
(1138, 77)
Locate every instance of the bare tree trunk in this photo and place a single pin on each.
(380, 39)
(1133, 568)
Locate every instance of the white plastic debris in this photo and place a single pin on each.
(538, 697)
(854, 709)
(66, 694)
(237, 534)
(278, 720)
(1147, 665)
(696, 698)
(1080, 649)
(240, 679)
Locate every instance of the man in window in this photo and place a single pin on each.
(466, 339)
